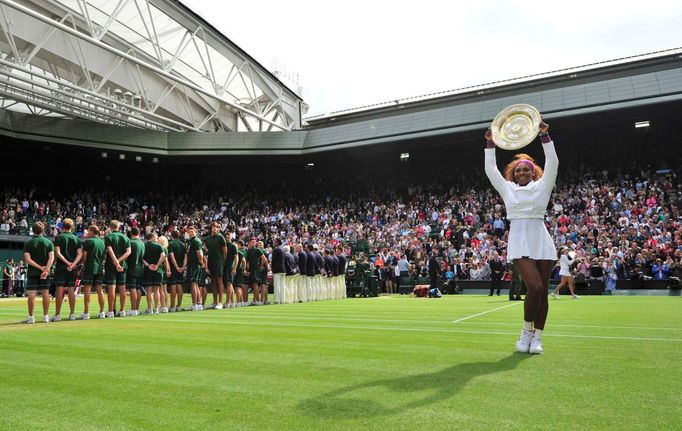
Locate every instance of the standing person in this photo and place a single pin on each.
(231, 264)
(20, 278)
(255, 261)
(496, 271)
(153, 272)
(93, 271)
(195, 267)
(335, 275)
(404, 269)
(135, 271)
(263, 283)
(329, 273)
(391, 263)
(165, 275)
(178, 262)
(320, 291)
(434, 270)
(311, 271)
(291, 268)
(279, 272)
(205, 279)
(7, 271)
(302, 293)
(565, 262)
(68, 254)
(515, 283)
(526, 191)
(343, 262)
(217, 254)
(240, 283)
(118, 250)
(39, 254)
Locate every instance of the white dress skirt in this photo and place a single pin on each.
(528, 237)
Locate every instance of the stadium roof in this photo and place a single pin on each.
(157, 66)
(151, 64)
(486, 88)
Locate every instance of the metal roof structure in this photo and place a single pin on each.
(148, 64)
(151, 76)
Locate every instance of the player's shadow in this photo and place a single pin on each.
(402, 393)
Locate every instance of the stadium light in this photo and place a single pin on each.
(104, 154)
(641, 124)
(138, 158)
(121, 156)
(155, 160)
(404, 156)
(309, 166)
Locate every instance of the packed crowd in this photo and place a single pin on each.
(625, 221)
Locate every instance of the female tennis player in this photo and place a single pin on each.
(526, 189)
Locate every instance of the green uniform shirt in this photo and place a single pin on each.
(231, 253)
(39, 249)
(240, 266)
(253, 259)
(94, 262)
(118, 243)
(69, 245)
(2, 270)
(152, 254)
(178, 249)
(215, 244)
(192, 247)
(134, 260)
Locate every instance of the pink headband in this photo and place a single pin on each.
(526, 162)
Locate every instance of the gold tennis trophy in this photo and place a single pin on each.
(515, 126)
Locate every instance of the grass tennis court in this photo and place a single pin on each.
(383, 363)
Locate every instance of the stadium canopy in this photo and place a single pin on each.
(146, 64)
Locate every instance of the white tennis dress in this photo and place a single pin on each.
(565, 265)
(528, 236)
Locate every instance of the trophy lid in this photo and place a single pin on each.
(515, 126)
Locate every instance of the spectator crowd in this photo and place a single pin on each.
(624, 221)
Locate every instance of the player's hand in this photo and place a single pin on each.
(488, 135)
(168, 274)
(234, 272)
(544, 127)
(43, 275)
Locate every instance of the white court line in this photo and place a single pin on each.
(280, 316)
(294, 317)
(646, 328)
(377, 328)
(486, 312)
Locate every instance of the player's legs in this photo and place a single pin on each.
(58, 298)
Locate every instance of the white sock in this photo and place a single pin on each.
(537, 333)
(528, 326)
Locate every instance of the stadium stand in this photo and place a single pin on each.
(616, 203)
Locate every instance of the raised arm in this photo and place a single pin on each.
(551, 160)
(491, 170)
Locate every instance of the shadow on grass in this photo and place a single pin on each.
(389, 396)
